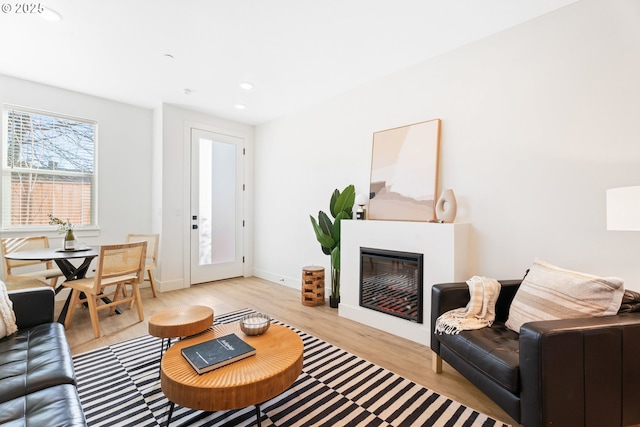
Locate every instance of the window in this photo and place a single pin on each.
(48, 166)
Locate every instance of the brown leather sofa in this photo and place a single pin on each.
(37, 380)
(578, 372)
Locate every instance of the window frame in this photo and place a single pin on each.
(5, 227)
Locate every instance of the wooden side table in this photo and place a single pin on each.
(179, 321)
(251, 381)
(312, 285)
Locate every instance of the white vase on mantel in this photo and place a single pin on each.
(447, 207)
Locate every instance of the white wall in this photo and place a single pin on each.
(172, 197)
(124, 160)
(538, 121)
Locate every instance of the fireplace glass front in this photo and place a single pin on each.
(391, 282)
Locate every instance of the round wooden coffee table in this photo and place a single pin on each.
(251, 381)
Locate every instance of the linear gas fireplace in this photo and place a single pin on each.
(391, 282)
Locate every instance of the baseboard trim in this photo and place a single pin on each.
(290, 282)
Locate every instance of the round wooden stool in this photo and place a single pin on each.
(312, 285)
(179, 321)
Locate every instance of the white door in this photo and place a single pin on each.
(217, 208)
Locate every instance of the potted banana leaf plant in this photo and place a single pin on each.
(328, 234)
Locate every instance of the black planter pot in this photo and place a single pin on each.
(334, 301)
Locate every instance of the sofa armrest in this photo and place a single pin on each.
(33, 306)
(449, 296)
(581, 371)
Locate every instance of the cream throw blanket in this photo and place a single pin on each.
(479, 313)
(7, 316)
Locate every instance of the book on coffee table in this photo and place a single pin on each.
(218, 352)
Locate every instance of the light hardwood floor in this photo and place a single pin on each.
(404, 357)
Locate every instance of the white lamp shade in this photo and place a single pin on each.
(623, 208)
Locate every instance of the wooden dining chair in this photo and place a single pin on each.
(26, 283)
(18, 270)
(153, 240)
(118, 266)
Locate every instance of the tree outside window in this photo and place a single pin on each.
(48, 167)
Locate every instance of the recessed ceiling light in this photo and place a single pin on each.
(241, 106)
(51, 15)
(246, 86)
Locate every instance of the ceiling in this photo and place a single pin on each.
(296, 53)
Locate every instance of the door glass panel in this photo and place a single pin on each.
(217, 213)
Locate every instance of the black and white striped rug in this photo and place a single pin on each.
(119, 386)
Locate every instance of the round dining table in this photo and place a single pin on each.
(62, 258)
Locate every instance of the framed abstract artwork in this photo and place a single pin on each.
(404, 172)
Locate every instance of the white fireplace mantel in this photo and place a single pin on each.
(445, 250)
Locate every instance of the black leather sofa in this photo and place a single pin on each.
(37, 380)
(578, 372)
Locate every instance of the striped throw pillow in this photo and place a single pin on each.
(550, 293)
